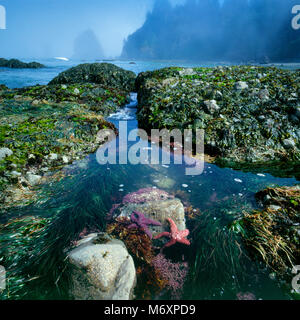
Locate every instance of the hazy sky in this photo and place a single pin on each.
(48, 28)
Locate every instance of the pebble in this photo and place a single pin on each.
(5, 152)
(184, 185)
(15, 174)
(261, 175)
(33, 179)
(238, 180)
(65, 159)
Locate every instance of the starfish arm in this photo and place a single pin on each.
(184, 233)
(152, 222)
(131, 226)
(163, 234)
(148, 233)
(172, 225)
(170, 243)
(184, 241)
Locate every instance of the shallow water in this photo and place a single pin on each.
(221, 195)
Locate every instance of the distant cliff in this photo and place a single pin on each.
(87, 47)
(258, 30)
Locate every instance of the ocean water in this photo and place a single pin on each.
(17, 78)
(221, 195)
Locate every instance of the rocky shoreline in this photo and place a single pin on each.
(250, 115)
(44, 128)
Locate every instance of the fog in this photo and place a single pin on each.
(150, 29)
(231, 30)
(49, 28)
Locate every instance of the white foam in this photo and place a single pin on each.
(61, 58)
(123, 114)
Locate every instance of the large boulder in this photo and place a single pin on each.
(102, 269)
(106, 74)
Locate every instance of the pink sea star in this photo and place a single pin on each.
(175, 235)
(140, 221)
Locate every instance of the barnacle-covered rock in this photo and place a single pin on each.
(249, 114)
(106, 74)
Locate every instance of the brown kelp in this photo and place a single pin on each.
(273, 232)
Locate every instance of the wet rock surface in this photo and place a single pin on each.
(154, 204)
(249, 114)
(101, 73)
(44, 128)
(102, 270)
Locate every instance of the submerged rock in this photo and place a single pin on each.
(155, 204)
(102, 270)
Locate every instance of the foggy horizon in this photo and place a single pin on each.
(103, 29)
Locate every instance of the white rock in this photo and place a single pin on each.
(264, 94)
(241, 85)
(288, 143)
(15, 174)
(5, 152)
(76, 91)
(102, 271)
(33, 179)
(211, 106)
(65, 159)
(35, 102)
(274, 207)
(187, 72)
(53, 156)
